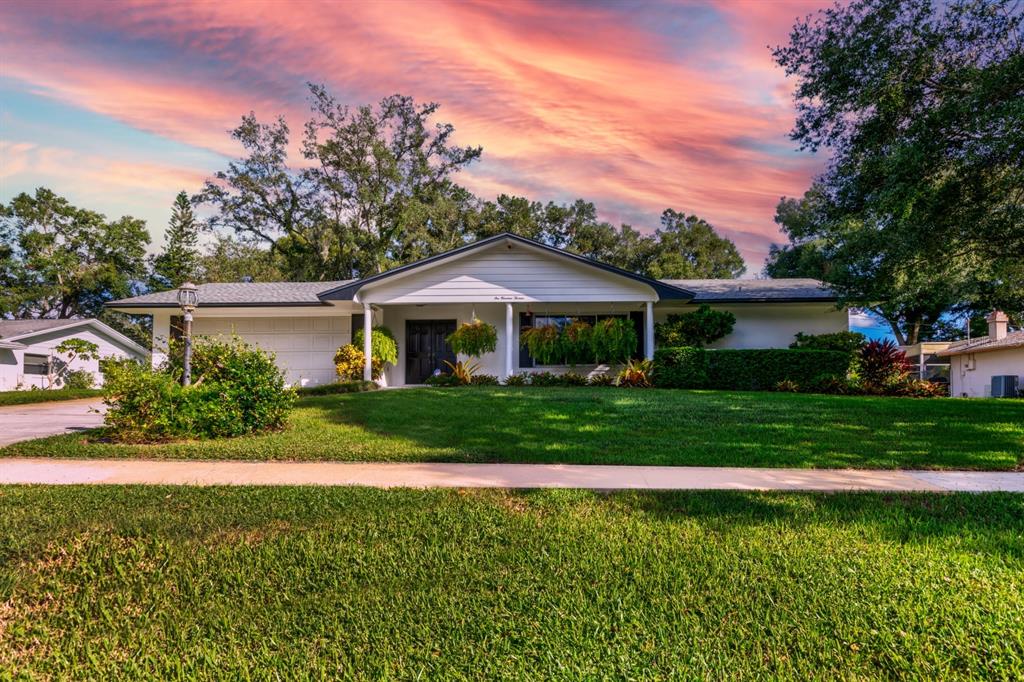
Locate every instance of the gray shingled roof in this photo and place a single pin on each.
(238, 294)
(984, 344)
(740, 290)
(9, 328)
(305, 293)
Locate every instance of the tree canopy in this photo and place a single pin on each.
(375, 190)
(57, 260)
(921, 106)
(179, 261)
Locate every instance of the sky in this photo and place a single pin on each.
(636, 106)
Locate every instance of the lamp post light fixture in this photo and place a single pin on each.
(188, 300)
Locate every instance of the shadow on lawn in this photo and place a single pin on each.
(990, 523)
(614, 426)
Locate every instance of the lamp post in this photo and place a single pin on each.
(188, 299)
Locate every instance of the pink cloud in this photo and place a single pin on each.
(575, 99)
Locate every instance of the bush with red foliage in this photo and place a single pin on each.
(881, 365)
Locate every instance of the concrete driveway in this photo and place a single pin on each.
(25, 422)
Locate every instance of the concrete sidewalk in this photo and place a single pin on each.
(594, 477)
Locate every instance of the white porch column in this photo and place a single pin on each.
(649, 331)
(367, 345)
(510, 344)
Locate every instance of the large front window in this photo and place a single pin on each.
(528, 320)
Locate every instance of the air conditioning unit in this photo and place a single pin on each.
(1004, 386)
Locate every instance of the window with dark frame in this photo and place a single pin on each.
(36, 365)
(529, 320)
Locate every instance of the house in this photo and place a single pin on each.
(925, 362)
(28, 356)
(974, 362)
(507, 281)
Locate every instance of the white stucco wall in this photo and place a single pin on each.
(770, 325)
(970, 375)
(12, 361)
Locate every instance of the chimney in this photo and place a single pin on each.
(997, 322)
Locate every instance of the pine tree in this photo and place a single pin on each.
(180, 260)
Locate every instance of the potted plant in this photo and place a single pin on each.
(614, 340)
(577, 342)
(543, 343)
(473, 339)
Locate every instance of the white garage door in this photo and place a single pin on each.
(304, 346)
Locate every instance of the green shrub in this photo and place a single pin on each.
(601, 380)
(918, 388)
(636, 374)
(787, 386)
(697, 328)
(521, 379)
(236, 390)
(78, 379)
(849, 342)
(383, 347)
(572, 379)
(443, 380)
(832, 384)
(545, 379)
(745, 369)
(359, 386)
(683, 367)
(484, 380)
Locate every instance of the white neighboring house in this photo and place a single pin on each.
(28, 350)
(506, 280)
(974, 362)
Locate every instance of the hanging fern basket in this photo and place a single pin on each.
(474, 339)
(614, 340)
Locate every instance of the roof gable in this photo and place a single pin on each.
(505, 267)
(21, 330)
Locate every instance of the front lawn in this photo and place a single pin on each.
(116, 582)
(45, 396)
(613, 426)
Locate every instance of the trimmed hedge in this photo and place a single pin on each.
(745, 369)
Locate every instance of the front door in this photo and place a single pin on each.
(426, 349)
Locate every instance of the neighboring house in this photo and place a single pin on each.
(974, 362)
(505, 280)
(28, 358)
(925, 362)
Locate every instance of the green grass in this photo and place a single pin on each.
(611, 426)
(39, 396)
(122, 582)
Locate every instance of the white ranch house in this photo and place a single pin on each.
(506, 280)
(29, 357)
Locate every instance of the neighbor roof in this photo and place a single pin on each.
(239, 294)
(792, 290)
(9, 328)
(17, 330)
(984, 344)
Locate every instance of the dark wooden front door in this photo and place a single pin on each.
(426, 348)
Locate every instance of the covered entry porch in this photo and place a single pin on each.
(506, 281)
(420, 332)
